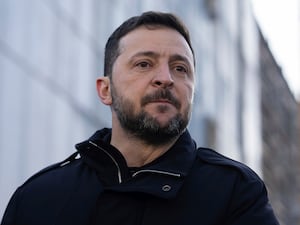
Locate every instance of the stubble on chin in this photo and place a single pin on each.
(144, 126)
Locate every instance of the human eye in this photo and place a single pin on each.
(181, 69)
(143, 64)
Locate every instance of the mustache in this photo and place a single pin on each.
(163, 94)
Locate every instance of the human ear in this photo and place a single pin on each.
(103, 89)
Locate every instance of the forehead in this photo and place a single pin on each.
(162, 40)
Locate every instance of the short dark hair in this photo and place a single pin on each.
(149, 19)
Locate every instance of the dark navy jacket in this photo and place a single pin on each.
(185, 186)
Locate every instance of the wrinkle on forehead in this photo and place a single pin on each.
(159, 38)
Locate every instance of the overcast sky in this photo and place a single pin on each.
(280, 24)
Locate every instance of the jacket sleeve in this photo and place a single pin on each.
(250, 204)
(10, 214)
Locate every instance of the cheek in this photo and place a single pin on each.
(131, 95)
(192, 93)
(189, 93)
(191, 90)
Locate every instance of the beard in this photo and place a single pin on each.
(143, 125)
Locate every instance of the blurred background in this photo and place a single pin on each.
(51, 52)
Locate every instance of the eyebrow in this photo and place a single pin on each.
(145, 53)
(175, 57)
(178, 57)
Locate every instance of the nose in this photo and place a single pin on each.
(163, 78)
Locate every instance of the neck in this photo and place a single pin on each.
(136, 151)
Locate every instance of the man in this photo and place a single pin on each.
(146, 169)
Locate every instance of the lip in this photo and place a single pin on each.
(162, 101)
(161, 98)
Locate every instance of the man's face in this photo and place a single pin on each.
(152, 84)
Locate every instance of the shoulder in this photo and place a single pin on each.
(59, 178)
(55, 171)
(219, 162)
(57, 187)
(236, 179)
(56, 182)
(235, 186)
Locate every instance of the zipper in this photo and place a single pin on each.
(112, 158)
(137, 172)
(156, 171)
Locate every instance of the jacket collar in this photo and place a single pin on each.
(163, 177)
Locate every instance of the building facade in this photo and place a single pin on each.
(280, 135)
